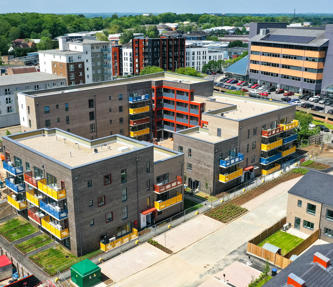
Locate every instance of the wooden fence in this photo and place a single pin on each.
(305, 244)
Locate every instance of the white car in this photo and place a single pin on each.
(321, 101)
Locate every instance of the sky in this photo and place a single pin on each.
(158, 6)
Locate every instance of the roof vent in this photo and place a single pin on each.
(321, 259)
(295, 281)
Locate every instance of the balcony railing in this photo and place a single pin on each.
(31, 197)
(169, 106)
(114, 242)
(54, 229)
(268, 160)
(270, 146)
(194, 111)
(271, 170)
(16, 187)
(231, 176)
(51, 191)
(181, 97)
(8, 166)
(135, 111)
(139, 121)
(183, 109)
(292, 125)
(139, 133)
(232, 160)
(168, 117)
(160, 205)
(271, 132)
(169, 95)
(168, 186)
(35, 215)
(290, 139)
(17, 204)
(138, 98)
(289, 151)
(182, 120)
(29, 179)
(194, 123)
(54, 211)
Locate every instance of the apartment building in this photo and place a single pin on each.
(240, 138)
(310, 204)
(91, 193)
(117, 61)
(79, 60)
(12, 84)
(127, 59)
(140, 107)
(298, 60)
(196, 56)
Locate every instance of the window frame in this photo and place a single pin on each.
(107, 179)
(101, 201)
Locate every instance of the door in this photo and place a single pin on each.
(297, 223)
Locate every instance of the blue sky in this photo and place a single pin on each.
(178, 6)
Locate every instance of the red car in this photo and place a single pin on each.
(229, 80)
(279, 91)
(287, 94)
(254, 86)
(241, 82)
(264, 94)
(245, 90)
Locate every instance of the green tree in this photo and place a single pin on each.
(45, 44)
(188, 71)
(237, 43)
(14, 33)
(126, 37)
(304, 131)
(101, 36)
(152, 32)
(151, 70)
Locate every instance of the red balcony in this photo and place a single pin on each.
(35, 215)
(168, 186)
(139, 121)
(30, 180)
(271, 132)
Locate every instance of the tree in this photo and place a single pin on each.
(151, 70)
(101, 36)
(188, 71)
(152, 32)
(304, 131)
(237, 43)
(213, 66)
(126, 37)
(45, 44)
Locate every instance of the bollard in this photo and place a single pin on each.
(136, 242)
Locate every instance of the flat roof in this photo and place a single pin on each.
(60, 52)
(202, 134)
(161, 154)
(74, 151)
(25, 78)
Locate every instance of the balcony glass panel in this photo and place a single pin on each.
(53, 210)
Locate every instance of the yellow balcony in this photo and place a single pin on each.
(19, 205)
(273, 145)
(31, 197)
(160, 205)
(50, 191)
(269, 171)
(231, 176)
(289, 151)
(120, 241)
(134, 111)
(292, 125)
(57, 231)
(140, 133)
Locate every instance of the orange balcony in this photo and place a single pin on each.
(271, 132)
(139, 121)
(168, 186)
(29, 179)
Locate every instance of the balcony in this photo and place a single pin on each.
(138, 98)
(140, 121)
(168, 186)
(17, 204)
(29, 179)
(52, 191)
(116, 242)
(271, 132)
(182, 120)
(194, 111)
(231, 160)
(269, 171)
(35, 215)
(32, 197)
(16, 187)
(289, 151)
(168, 106)
(270, 146)
(160, 205)
(287, 127)
(231, 176)
(53, 210)
(135, 111)
(182, 97)
(168, 117)
(181, 108)
(169, 95)
(268, 160)
(290, 139)
(54, 229)
(194, 123)
(8, 166)
(134, 134)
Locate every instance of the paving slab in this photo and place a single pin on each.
(188, 233)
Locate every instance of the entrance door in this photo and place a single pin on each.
(297, 223)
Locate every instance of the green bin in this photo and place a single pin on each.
(85, 273)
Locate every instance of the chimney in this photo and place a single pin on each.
(295, 281)
(322, 260)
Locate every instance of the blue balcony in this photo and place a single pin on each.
(182, 97)
(290, 139)
(194, 111)
(12, 169)
(270, 159)
(168, 106)
(169, 95)
(182, 120)
(16, 187)
(138, 98)
(232, 160)
(54, 211)
(194, 123)
(183, 109)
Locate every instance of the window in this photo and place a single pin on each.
(46, 109)
(108, 217)
(329, 214)
(247, 148)
(299, 203)
(91, 116)
(120, 108)
(328, 232)
(124, 193)
(189, 166)
(311, 209)
(92, 128)
(29, 123)
(101, 201)
(66, 107)
(91, 203)
(110, 110)
(189, 152)
(107, 179)
(110, 122)
(180, 148)
(219, 132)
(120, 97)
(254, 144)
(148, 166)
(110, 98)
(67, 120)
(9, 109)
(248, 133)
(91, 103)
(308, 224)
(124, 212)
(121, 120)
(28, 107)
(148, 184)
(92, 222)
(297, 223)
(123, 176)
(254, 131)
(89, 183)
(27, 166)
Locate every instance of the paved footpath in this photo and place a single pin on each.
(201, 260)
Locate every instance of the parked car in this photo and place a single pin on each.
(288, 94)
(264, 94)
(316, 100)
(306, 105)
(245, 90)
(279, 91)
(330, 112)
(323, 128)
(229, 81)
(286, 99)
(254, 86)
(322, 101)
(239, 83)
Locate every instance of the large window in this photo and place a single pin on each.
(91, 116)
(328, 232)
(101, 201)
(308, 224)
(107, 179)
(124, 193)
(108, 217)
(91, 103)
(311, 209)
(123, 176)
(329, 214)
(46, 109)
(124, 212)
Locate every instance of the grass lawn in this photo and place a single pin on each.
(226, 212)
(283, 240)
(314, 165)
(58, 259)
(16, 228)
(33, 243)
(300, 170)
(330, 126)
